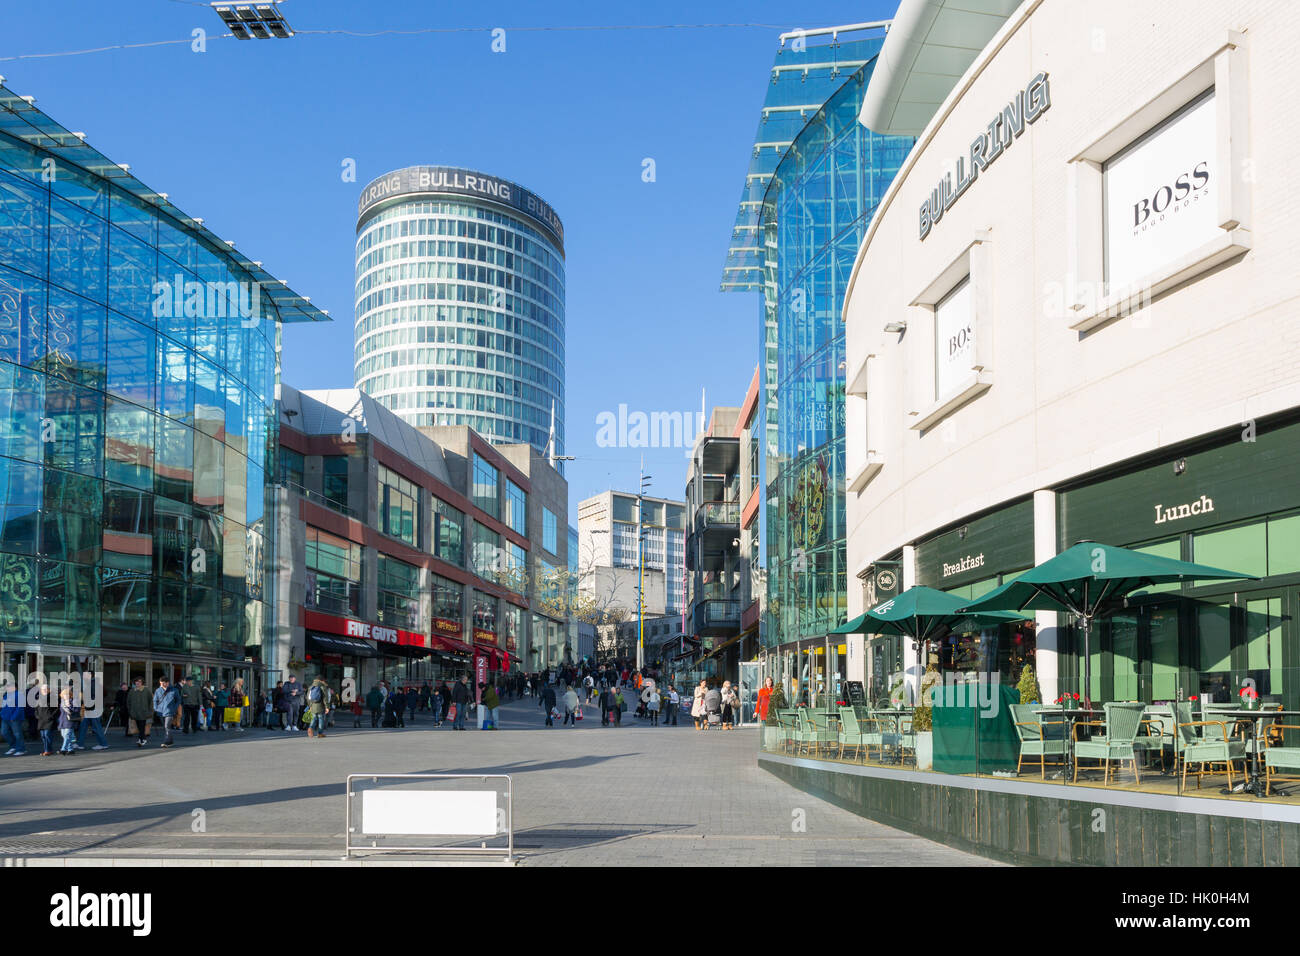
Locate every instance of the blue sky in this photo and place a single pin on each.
(251, 137)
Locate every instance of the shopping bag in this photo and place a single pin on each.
(231, 715)
(451, 712)
(577, 714)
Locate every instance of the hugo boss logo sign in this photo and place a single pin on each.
(1004, 129)
(1185, 189)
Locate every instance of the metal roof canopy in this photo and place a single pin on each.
(804, 75)
(20, 118)
(931, 45)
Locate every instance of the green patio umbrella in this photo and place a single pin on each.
(921, 613)
(1090, 580)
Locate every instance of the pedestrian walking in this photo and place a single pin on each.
(652, 705)
(674, 705)
(374, 701)
(238, 701)
(293, 697)
(318, 705)
(357, 711)
(119, 709)
(208, 698)
(491, 703)
(436, 706)
(730, 704)
(69, 713)
(570, 701)
(764, 700)
(460, 700)
(139, 705)
(697, 703)
(397, 700)
(444, 692)
(191, 701)
(547, 698)
(166, 704)
(620, 705)
(606, 701)
(12, 718)
(47, 720)
(93, 724)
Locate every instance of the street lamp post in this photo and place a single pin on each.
(640, 584)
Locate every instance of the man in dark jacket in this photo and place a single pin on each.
(374, 700)
(460, 697)
(293, 698)
(139, 706)
(548, 703)
(208, 700)
(191, 700)
(397, 700)
(444, 691)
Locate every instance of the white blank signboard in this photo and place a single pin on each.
(429, 812)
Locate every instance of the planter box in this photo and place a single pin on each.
(771, 738)
(924, 750)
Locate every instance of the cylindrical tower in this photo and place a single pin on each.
(460, 303)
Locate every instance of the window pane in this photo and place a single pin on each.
(1264, 645)
(1283, 545)
(1241, 549)
(130, 360)
(22, 403)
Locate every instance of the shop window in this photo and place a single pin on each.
(1164, 549)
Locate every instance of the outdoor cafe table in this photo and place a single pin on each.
(1256, 784)
(1071, 715)
(898, 713)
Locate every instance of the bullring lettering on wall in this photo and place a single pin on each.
(1003, 130)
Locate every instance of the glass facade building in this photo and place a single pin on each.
(814, 183)
(138, 374)
(460, 304)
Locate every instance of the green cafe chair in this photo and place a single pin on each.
(888, 733)
(851, 733)
(812, 737)
(1157, 732)
(1281, 756)
(1122, 724)
(788, 721)
(1207, 743)
(1040, 737)
(906, 738)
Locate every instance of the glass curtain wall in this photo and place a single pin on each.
(135, 436)
(814, 216)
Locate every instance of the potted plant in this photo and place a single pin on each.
(1028, 686)
(922, 722)
(1249, 698)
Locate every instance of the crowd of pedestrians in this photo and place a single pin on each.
(61, 722)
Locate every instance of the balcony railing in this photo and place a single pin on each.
(717, 513)
(717, 613)
(318, 498)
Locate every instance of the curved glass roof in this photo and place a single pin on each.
(806, 72)
(21, 119)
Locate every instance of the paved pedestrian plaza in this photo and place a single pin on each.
(583, 796)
